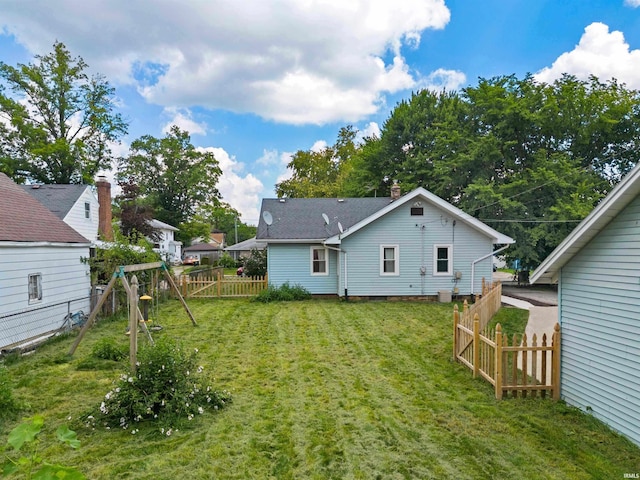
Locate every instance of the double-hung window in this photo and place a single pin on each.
(87, 210)
(35, 288)
(389, 260)
(442, 260)
(319, 261)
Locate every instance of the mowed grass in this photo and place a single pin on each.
(322, 389)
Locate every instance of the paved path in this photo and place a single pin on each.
(542, 320)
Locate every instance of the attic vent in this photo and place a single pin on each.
(340, 200)
(282, 200)
(417, 211)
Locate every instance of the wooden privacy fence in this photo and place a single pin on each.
(513, 367)
(220, 286)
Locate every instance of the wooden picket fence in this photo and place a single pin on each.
(516, 368)
(221, 286)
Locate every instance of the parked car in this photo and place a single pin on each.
(190, 260)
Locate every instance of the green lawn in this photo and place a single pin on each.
(322, 389)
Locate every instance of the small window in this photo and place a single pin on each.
(442, 261)
(389, 255)
(417, 211)
(35, 288)
(319, 261)
(87, 210)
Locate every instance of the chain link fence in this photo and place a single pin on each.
(28, 328)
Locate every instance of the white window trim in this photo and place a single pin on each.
(449, 271)
(39, 287)
(87, 210)
(396, 260)
(326, 261)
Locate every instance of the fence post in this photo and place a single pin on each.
(476, 345)
(555, 362)
(219, 285)
(498, 360)
(456, 319)
(133, 323)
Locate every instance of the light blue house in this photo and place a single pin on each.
(414, 245)
(597, 268)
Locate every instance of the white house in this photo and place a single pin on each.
(597, 269)
(43, 275)
(166, 245)
(75, 205)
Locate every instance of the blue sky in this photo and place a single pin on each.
(255, 81)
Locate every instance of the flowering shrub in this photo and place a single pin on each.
(167, 388)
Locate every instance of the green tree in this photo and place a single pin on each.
(172, 174)
(59, 122)
(134, 215)
(224, 217)
(322, 173)
(528, 158)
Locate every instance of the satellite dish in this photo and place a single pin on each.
(326, 218)
(340, 227)
(267, 217)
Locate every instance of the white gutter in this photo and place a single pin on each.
(11, 243)
(473, 264)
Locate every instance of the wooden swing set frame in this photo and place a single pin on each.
(135, 315)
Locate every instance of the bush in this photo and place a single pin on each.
(226, 261)
(255, 265)
(106, 349)
(283, 293)
(8, 405)
(167, 388)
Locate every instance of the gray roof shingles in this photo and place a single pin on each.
(57, 198)
(301, 218)
(25, 219)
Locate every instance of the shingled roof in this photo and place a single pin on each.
(57, 198)
(301, 218)
(25, 219)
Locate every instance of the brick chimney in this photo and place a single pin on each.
(105, 232)
(395, 191)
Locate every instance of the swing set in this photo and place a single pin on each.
(136, 317)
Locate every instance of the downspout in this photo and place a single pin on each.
(473, 264)
(346, 277)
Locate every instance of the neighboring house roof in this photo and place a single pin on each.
(24, 219)
(621, 196)
(157, 224)
(57, 198)
(202, 247)
(301, 219)
(247, 245)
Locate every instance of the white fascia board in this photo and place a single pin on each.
(293, 240)
(497, 237)
(44, 244)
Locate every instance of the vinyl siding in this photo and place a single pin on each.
(292, 263)
(87, 227)
(600, 317)
(64, 278)
(415, 244)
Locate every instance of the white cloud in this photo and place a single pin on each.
(241, 192)
(182, 119)
(301, 63)
(601, 53)
(632, 3)
(318, 146)
(371, 130)
(442, 79)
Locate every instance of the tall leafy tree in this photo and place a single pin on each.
(134, 214)
(58, 122)
(322, 173)
(172, 174)
(530, 159)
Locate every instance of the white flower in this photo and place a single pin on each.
(200, 369)
(196, 350)
(200, 410)
(130, 380)
(169, 432)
